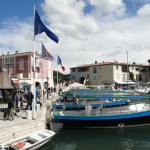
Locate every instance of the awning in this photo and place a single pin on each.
(24, 84)
(16, 81)
(126, 82)
(5, 80)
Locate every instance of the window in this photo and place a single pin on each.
(94, 70)
(73, 77)
(74, 69)
(116, 67)
(11, 60)
(6, 60)
(83, 69)
(21, 64)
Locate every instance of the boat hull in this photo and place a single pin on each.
(136, 119)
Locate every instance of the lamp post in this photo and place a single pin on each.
(47, 86)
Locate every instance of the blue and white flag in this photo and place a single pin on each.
(39, 27)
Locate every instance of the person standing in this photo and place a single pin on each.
(29, 98)
(10, 115)
(17, 102)
(65, 100)
(21, 99)
(14, 99)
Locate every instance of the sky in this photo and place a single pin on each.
(88, 30)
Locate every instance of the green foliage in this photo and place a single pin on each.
(87, 83)
(60, 77)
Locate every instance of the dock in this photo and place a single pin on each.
(22, 125)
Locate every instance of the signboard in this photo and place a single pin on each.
(3, 105)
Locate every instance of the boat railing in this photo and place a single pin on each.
(132, 107)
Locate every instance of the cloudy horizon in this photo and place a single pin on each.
(88, 31)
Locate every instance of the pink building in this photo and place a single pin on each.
(20, 66)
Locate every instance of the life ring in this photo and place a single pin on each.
(20, 144)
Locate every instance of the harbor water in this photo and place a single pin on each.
(131, 138)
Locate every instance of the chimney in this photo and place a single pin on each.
(7, 53)
(95, 62)
(17, 52)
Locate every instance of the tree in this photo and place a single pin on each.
(87, 83)
(60, 77)
(148, 61)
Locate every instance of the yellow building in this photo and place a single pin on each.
(108, 72)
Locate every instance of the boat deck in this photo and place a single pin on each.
(109, 111)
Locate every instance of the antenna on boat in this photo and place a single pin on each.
(127, 69)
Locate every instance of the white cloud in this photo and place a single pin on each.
(144, 11)
(108, 7)
(16, 35)
(85, 38)
(68, 17)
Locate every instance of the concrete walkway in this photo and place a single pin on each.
(21, 125)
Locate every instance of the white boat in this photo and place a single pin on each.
(30, 141)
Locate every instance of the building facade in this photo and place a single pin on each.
(108, 72)
(20, 67)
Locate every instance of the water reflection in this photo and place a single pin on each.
(137, 138)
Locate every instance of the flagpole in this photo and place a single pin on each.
(2, 60)
(42, 98)
(34, 92)
(39, 27)
(57, 76)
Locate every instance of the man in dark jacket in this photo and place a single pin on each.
(29, 98)
(10, 115)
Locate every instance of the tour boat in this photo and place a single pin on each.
(30, 141)
(135, 114)
(95, 104)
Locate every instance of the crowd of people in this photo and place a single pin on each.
(16, 102)
(17, 98)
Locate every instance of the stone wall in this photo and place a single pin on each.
(20, 130)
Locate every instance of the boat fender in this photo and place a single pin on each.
(120, 125)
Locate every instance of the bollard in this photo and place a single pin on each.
(29, 114)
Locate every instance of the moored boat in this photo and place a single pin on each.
(30, 141)
(131, 115)
(94, 104)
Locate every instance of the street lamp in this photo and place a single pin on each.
(47, 86)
